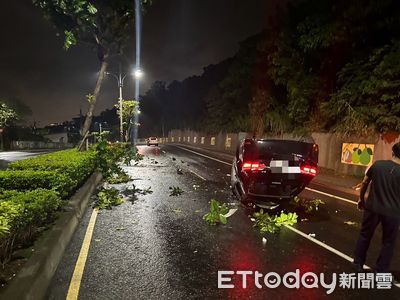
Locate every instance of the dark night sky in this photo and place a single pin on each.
(179, 38)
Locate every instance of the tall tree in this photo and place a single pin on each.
(7, 114)
(103, 25)
(129, 108)
(20, 108)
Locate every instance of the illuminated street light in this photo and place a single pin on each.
(138, 73)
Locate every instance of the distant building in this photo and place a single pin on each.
(58, 133)
(61, 137)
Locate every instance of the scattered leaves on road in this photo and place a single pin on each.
(217, 213)
(107, 198)
(351, 223)
(133, 191)
(272, 224)
(309, 205)
(175, 191)
(119, 177)
(146, 191)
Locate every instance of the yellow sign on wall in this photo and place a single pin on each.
(228, 142)
(357, 154)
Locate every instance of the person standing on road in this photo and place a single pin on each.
(382, 206)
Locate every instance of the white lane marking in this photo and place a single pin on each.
(330, 195)
(194, 173)
(329, 248)
(318, 242)
(206, 156)
(307, 188)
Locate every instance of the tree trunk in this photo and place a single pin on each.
(128, 132)
(92, 104)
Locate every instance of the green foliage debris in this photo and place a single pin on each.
(107, 198)
(217, 213)
(272, 224)
(309, 205)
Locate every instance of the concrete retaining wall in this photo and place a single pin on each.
(330, 146)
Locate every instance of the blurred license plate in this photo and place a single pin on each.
(282, 166)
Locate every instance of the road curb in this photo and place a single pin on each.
(34, 278)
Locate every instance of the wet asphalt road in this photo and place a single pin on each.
(9, 156)
(158, 247)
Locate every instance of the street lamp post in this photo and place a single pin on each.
(138, 73)
(120, 81)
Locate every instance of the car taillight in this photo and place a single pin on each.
(309, 170)
(253, 166)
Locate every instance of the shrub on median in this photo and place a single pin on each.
(22, 214)
(31, 191)
(24, 180)
(72, 166)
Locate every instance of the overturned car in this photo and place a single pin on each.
(270, 172)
